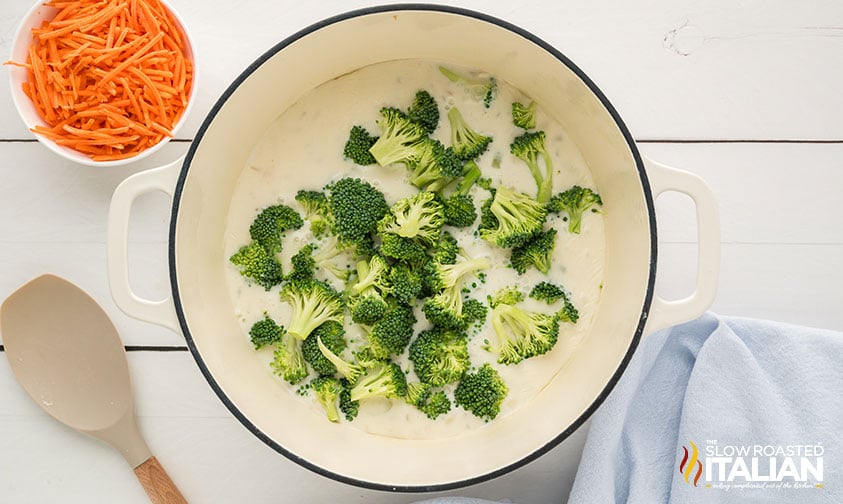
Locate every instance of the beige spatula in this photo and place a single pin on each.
(67, 355)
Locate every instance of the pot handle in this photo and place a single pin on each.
(664, 313)
(162, 179)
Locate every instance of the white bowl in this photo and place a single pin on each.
(28, 113)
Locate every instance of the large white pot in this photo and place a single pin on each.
(201, 186)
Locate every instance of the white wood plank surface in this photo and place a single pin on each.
(693, 71)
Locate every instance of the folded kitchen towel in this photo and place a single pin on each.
(723, 410)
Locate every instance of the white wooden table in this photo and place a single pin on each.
(745, 94)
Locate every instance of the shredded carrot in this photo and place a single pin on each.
(110, 78)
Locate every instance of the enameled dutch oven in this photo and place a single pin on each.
(201, 186)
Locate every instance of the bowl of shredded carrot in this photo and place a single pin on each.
(102, 82)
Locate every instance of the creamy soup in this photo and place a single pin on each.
(303, 150)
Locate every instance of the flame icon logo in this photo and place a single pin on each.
(690, 462)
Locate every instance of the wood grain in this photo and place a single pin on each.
(157, 483)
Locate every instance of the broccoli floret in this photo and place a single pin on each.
(519, 218)
(435, 166)
(316, 211)
(402, 249)
(424, 111)
(449, 276)
(313, 303)
(327, 391)
(466, 142)
(522, 334)
(258, 265)
(269, 226)
(356, 207)
(400, 138)
(524, 116)
(551, 293)
(385, 380)
(446, 250)
(367, 304)
(574, 202)
(265, 332)
(529, 147)
(357, 146)
(483, 89)
(406, 282)
(431, 403)
(303, 265)
(474, 312)
(348, 407)
(349, 371)
(548, 292)
(332, 336)
(481, 393)
(445, 308)
(508, 295)
(536, 252)
(391, 334)
(459, 206)
(487, 218)
(419, 217)
(288, 360)
(439, 356)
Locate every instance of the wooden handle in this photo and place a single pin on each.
(157, 483)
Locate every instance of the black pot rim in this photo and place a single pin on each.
(451, 484)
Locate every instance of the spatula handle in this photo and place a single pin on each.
(157, 483)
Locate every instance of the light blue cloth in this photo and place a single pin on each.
(724, 384)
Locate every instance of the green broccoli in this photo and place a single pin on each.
(446, 250)
(402, 249)
(508, 295)
(424, 111)
(435, 165)
(431, 403)
(473, 312)
(529, 147)
(357, 146)
(419, 217)
(265, 332)
(483, 89)
(574, 202)
(467, 143)
(522, 334)
(519, 218)
(459, 206)
(288, 361)
(406, 282)
(384, 380)
(349, 371)
(356, 207)
(536, 252)
(269, 226)
(258, 265)
(303, 265)
(548, 292)
(329, 256)
(316, 211)
(524, 116)
(445, 307)
(332, 336)
(481, 393)
(327, 391)
(348, 407)
(400, 138)
(391, 334)
(313, 303)
(551, 293)
(367, 304)
(439, 356)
